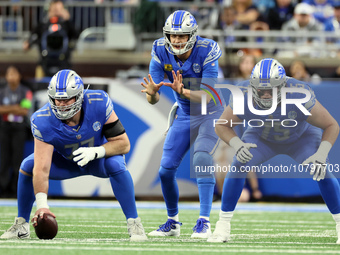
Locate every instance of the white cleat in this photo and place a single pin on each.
(338, 232)
(136, 230)
(202, 229)
(221, 233)
(169, 228)
(19, 230)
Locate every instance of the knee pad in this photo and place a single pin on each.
(202, 158)
(202, 164)
(114, 165)
(167, 174)
(27, 164)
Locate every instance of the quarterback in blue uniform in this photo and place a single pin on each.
(191, 64)
(307, 138)
(76, 133)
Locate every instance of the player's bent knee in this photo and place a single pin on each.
(27, 165)
(24, 173)
(202, 158)
(165, 173)
(115, 165)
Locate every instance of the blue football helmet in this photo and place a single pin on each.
(180, 23)
(66, 84)
(266, 75)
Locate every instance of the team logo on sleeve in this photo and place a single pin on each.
(96, 126)
(168, 67)
(196, 67)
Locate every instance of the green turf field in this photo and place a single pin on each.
(103, 231)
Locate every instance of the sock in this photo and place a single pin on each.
(205, 182)
(122, 186)
(25, 196)
(226, 216)
(330, 191)
(232, 188)
(170, 190)
(175, 218)
(336, 217)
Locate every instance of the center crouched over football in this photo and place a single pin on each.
(47, 227)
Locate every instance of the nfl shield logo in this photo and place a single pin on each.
(78, 136)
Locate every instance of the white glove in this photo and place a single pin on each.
(85, 154)
(318, 161)
(171, 117)
(243, 154)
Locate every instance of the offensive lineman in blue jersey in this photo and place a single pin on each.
(305, 143)
(76, 133)
(190, 62)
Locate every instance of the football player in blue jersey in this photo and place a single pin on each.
(307, 138)
(76, 133)
(191, 64)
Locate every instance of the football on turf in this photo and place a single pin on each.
(47, 227)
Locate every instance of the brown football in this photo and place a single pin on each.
(47, 227)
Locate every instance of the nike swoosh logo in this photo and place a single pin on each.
(212, 112)
(20, 235)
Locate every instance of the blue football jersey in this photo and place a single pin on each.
(199, 70)
(97, 108)
(270, 127)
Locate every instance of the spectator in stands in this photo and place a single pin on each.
(299, 71)
(263, 5)
(228, 23)
(334, 23)
(303, 22)
(257, 25)
(323, 9)
(279, 14)
(246, 12)
(56, 37)
(336, 73)
(245, 66)
(15, 103)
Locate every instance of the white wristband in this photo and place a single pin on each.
(235, 142)
(41, 200)
(100, 152)
(324, 148)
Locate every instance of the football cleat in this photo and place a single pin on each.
(338, 232)
(19, 230)
(136, 230)
(221, 233)
(169, 228)
(202, 229)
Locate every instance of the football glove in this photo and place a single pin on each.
(84, 155)
(171, 117)
(243, 154)
(318, 167)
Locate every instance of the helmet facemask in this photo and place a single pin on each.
(64, 85)
(268, 74)
(180, 23)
